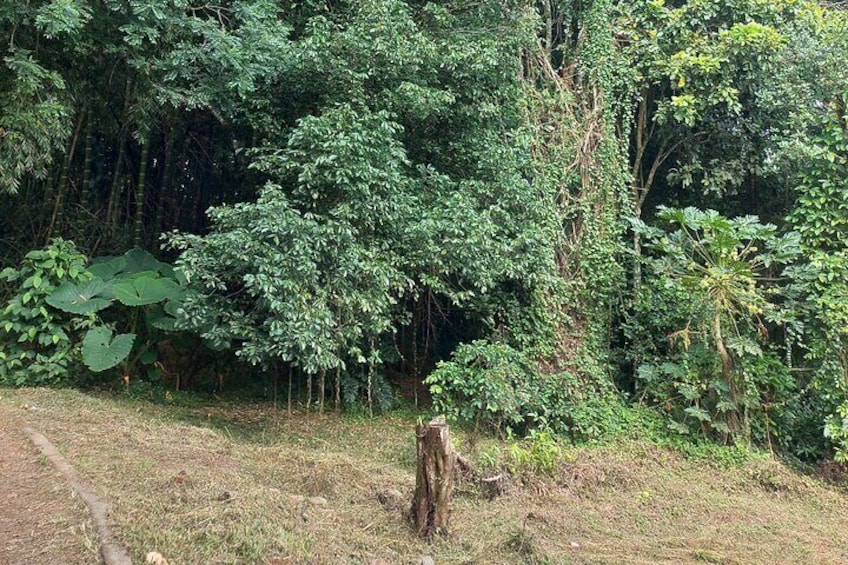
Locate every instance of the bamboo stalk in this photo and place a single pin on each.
(159, 221)
(58, 203)
(112, 205)
(85, 195)
(139, 196)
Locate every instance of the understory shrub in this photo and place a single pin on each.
(37, 343)
(494, 386)
(64, 316)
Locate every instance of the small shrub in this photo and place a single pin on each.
(496, 387)
(489, 384)
(540, 453)
(836, 430)
(37, 343)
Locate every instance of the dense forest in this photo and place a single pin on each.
(566, 215)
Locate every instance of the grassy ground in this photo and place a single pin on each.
(246, 484)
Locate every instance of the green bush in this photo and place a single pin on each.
(37, 342)
(836, 430)
(63, 314)
(539, 453)
(489, 384)
(497, 387)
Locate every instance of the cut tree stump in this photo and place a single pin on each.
(434, 479)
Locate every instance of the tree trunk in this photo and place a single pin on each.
(734, 420)
(321, 381)
(308, 391)
(434, 479)
(338, 389)
(86, 173)
(276, 383)
(291, 371)
(138, 232)
(59, 200)
(371, 382)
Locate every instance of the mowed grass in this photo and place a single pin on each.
(249, 484)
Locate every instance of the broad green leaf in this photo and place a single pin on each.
(101, 350)
(139, 260)
(699, 413)
(107, 268)
(85, 298)
(145, 290)
(148, 356)
(157, 317)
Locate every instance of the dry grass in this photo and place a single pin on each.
(245, 484)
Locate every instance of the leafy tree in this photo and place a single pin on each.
(126, 114)
(398, 187)
(708, 114)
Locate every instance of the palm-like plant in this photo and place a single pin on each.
(723, 263)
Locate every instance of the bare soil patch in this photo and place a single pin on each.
(41, 521)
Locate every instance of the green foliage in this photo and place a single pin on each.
(57, 299)
(147, 293)
(143, 290)
(291, 287)
(821, 212)
(819, 216)
(102, 350)
(602, 418)
(540, 453)
(497, 387)
(836, 430)
(37, 345)
(367, 391)
(399, 182)
(489, 384)
(60, 17)
(710, 272)
(820, 282)
(387, 179)
(708, 110)
(33, 118)
(86, 298)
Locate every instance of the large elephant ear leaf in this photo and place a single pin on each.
(85, 298)
(107, 268)
(158, 318)
(145, 290)
(102, 350)
(139, 260)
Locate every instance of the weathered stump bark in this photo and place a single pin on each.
(434, 479)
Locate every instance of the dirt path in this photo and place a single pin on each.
(41, 520)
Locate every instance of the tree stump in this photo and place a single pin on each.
(434, 479)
